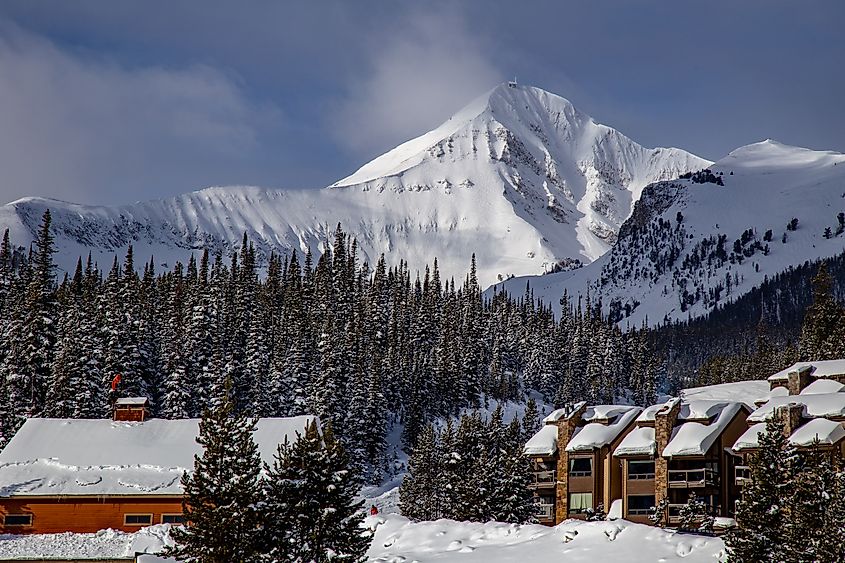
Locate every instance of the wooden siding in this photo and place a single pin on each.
(84, 514)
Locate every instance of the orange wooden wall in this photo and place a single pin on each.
(88, 514)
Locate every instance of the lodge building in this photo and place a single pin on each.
(75, 475)
(628, 459)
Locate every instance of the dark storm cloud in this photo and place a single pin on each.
(116, 101)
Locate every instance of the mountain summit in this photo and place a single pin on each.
(519, 177)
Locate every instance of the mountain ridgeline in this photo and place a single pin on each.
(519, 177)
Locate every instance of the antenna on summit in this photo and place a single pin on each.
(512, 83)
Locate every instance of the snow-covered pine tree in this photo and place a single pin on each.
(223, 493)
(311, 515)
(762, 513)
(422, 488)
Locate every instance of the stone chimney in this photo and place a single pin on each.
(799, 379)
(790, 416)
(566, 426)
(664, 422)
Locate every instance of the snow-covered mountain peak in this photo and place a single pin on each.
(772, 155)
(694, 243)
(519, 176)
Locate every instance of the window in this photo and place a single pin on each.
(137, 519)
(581, 467)
(641, 469)
(172, 519)
(639, 505)
(580, 502)
(17, 520)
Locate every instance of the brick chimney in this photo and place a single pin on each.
(664, 422)
(566, 426)
(799, 379)
(790, 416)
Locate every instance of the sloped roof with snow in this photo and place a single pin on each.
(51, 456)
(640, 441)
(695, 438)
(544, 442)
(748, 392)
(827, 432)
(822, 386)
(825, 405)
(691, 409)
(596, 435)
(563, 413)
(819, 369)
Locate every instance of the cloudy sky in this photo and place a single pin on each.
(112, 102)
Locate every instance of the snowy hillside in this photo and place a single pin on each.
(696, 243)
(520, 177)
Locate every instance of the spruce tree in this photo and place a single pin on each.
(223, 493)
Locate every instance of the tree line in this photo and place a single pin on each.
(362, 346)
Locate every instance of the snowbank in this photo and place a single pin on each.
(103, 544)
(573, 541)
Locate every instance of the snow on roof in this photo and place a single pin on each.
(827, 432)
(563, 413)
(695, 438)
(103, 457)
(697, 409)
(750, 438)
(640, 441)
(778, 392)
(544, 442)
(748, 392)
(605, 412)
(822, 386)
(815, 406)
(596, 435)
(819, 369)
(132, 401)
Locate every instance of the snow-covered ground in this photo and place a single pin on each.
(397, 540)
(103, 544)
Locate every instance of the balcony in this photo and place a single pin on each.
(543, 479)
(675, 513)
(742, 474)
(692, 478)
(545, 512)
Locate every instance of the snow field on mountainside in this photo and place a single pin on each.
(519, 177)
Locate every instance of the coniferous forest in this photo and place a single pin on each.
(363, 346)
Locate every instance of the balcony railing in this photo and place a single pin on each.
(692, 478)
(675, 513)
(545, 512)
(640, 476)
(742, 474)
(543, 479)
(580, 473)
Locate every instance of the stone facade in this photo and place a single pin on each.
(566, 428)
(664, 421)
(798, 380)
(790, 416)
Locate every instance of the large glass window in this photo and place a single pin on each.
(640, 504)
(641, 469)
(580, 467)
(580, 502)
